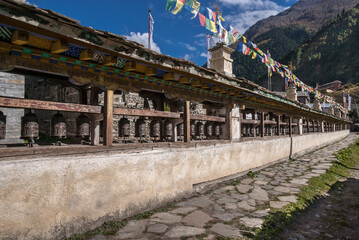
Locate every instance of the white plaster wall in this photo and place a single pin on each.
(54, 197)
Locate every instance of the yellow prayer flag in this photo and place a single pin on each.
(178, 8)
(254, 55)
(196, 5)
(271, 73)
(260, 52)
(244, 39)
(220, 17)
(213, 26)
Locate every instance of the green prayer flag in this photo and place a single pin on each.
(169, 4)
(189, 3)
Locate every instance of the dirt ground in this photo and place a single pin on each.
(335, 216)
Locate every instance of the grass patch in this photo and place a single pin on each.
(280, 219)
(108, 228)
(251, 174)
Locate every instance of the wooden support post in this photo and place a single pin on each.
(313, 130)
(300, 126)
(278, 125)
(262, 124)
(108, 118)
(290, 126)
(229, 122)
(95, 123)
(308, 130)
(187, 122)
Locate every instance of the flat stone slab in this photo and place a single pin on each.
(252, 222)
(277, 204)
(166, 218)
(291, 198)
(157, 228)
(282, 189)
(259, 194)
(183, 210)
(197, 218)
(260, 182)
(247, 181)
(226, 230)
(226, 199)
(226, 217)
(300, 181)
(245, 206)
(260, 213)
(271, 174)
(132, 229)
(230, 206)
(202, 202)
(244, 188)
(184, 231)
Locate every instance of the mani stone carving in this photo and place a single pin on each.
(221, 60)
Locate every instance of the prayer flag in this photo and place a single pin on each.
(202, 19)
(169, 4)
(220, 17)
(189, 3)
(254, 55)
(178, 7)
(244, 39)
(195, 6)
(245, 50)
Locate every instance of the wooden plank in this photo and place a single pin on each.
(229, 122)
(278, 125)
(108, 118)
(208, 118)
(290, 126)
(47, 105)
(250, 121)
(187, 122)
(146, 113)
(262, 124)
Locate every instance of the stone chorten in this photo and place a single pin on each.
(292, 92)
(221, 60)
(316, 105)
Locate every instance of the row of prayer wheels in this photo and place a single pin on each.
(30, 126)
(196, 130)
(2, 126)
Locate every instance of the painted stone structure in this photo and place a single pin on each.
(12, 85)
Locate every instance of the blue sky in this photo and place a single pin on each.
(174, 35)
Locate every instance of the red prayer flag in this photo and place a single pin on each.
(202, 19)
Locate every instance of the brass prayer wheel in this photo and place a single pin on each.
(180, 130)
(124, 126)
(2, 125)
(30, 126)
(168, 128)
(140, 128)
(209, 129)
(155, 129)
(193, 129)
(200, 129)
(58, 126)
(83, 126)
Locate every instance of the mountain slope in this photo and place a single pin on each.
(282, 33)
(332, 54)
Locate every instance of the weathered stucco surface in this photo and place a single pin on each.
(53, 197)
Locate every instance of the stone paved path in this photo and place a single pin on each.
(230, 210)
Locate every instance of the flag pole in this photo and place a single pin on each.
(269, 78)
(149, 28)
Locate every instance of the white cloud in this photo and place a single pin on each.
(202, 43)
(189, 47)
(187, 56)
(245, 13)
(251, 4)
(204, 54)
(200, 35)
(244, 20)
(143, 39)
